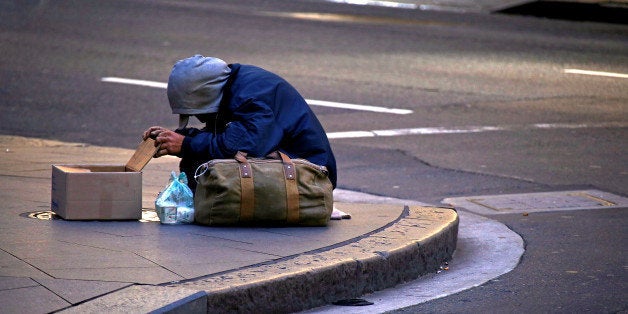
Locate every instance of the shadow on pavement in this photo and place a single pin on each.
(606, 12)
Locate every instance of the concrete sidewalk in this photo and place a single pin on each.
(49, 265)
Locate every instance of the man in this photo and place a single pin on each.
(245, 108)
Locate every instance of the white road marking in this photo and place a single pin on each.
(387, 4)
(397, 132)
(413, 131)
(134, 82)
(595, 73)
(468, 129)
(323, 103)
(311, 102)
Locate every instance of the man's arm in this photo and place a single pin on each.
(251, 129)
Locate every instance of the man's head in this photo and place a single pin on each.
(195, 86)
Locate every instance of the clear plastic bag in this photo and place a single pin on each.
(175, 204)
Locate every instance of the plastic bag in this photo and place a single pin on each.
(175, 204)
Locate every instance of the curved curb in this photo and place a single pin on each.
(418, 243)
(486, 249)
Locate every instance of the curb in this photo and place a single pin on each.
(418, 243)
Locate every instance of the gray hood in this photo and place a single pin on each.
(195, 85)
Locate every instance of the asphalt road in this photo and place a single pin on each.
(505, 111)
(575, 267)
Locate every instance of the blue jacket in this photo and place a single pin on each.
(264, 113)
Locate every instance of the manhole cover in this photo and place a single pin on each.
(538, 202)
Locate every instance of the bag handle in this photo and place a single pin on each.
(246, 183)
(245, 168)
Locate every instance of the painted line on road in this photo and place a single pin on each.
(332, 104)
(412, 131)
(311, 102)
(386, 4)
(595, 73)
(398, 132)
(469, 129)
(134, 82)
(401, 5)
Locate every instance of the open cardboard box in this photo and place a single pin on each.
(101, 192)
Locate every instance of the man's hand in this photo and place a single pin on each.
(169, 142)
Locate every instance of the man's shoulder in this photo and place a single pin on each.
(249, 69)
(245, 74)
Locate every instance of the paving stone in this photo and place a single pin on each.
(75, 291)
(8, 283)
(31, 300)
(14, 267)
(146, 299)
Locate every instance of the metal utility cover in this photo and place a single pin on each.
(538, 202)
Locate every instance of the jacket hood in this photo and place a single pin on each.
(195, 85)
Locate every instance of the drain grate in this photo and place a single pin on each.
(41, 215)
(538, 202)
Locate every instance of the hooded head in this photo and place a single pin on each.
(195, 86)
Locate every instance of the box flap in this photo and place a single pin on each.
(72, 169)
(143, 154)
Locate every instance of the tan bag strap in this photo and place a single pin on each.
(292, 191)
(247, 206)
(247, 195)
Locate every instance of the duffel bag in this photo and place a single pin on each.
(262, 191)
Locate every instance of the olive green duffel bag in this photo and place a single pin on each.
(262, 191)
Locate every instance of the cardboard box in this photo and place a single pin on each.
(101, 192)
(86, 192)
